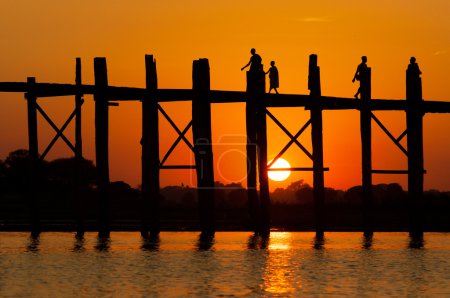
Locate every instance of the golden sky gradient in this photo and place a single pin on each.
(42, 39)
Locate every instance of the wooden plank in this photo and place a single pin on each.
(201, 130)
(150, 154)
(101, 145)
(297, 169)
(390, 171)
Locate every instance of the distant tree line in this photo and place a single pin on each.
(292, 205)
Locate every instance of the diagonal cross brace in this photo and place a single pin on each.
(59, 131)
(386, 131)
(293, 138)
(180, 137)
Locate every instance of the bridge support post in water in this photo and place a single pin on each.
(101, 145)
(33, 151)
(78, 153)
(261, 140)
(366, 143)
(257, 152)
(414, 123)
(201, 129)
(252, 192)
(150, 153)
(317, 144)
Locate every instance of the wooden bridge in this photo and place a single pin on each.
(257, 102)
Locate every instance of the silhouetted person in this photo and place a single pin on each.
(360, 72)
(273, 76)
(255, 62)
(413, 67)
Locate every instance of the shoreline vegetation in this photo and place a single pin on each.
(292, 208)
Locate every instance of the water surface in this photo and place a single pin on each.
(233, 264)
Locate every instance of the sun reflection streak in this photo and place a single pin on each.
(278, 278)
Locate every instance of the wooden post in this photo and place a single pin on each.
(252, 193)
(317, 143)
(150, 153)
(201, 129)
(78, 154)
(33, 151)
(414, 122)
(256, 113)
(366, 142)
(261, 140)
(101, 144)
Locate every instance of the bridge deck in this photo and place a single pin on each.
(272, 100)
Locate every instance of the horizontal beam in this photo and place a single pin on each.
(177, 167)
(271, 100)
(392, 172)
(294, 169)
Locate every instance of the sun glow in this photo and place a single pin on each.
(280, 163)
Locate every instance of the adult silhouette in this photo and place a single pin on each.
(359, 74)
(413, 67)
(273, 77)
(255, 62)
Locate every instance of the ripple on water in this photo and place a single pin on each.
(233, 264)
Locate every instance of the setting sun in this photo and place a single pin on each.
(278, 175)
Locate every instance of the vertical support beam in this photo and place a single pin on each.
(257, 134)
(252, 193)
(33, 151)
(201, 129)
(150, 153)
(414, 122)
(78, 104)
(366, 142)
(317, 143)
(261, 140)
(101, 144)
(78, 153)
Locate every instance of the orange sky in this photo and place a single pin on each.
(42, 39)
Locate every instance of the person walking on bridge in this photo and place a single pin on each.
(254, 63)
(360, 73)
(273, 77)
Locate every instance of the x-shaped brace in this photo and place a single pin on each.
(181, 135)
(292, 137)
(59, 131)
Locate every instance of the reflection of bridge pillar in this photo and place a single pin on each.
(414, 122)
(257, 152)
(150, 153)
(366, 143)
(101, 144)
(317, 143)
(201, 129)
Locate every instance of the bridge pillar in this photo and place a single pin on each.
(366, 143)
(101, 145)
(317, 144)
(150, 153)
(33, 151)
(257, 152)
(79, 206)
(201, 129)
(414, 122)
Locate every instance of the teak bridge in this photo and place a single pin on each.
(257, 101)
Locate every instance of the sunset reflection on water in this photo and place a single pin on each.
(181, 264)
